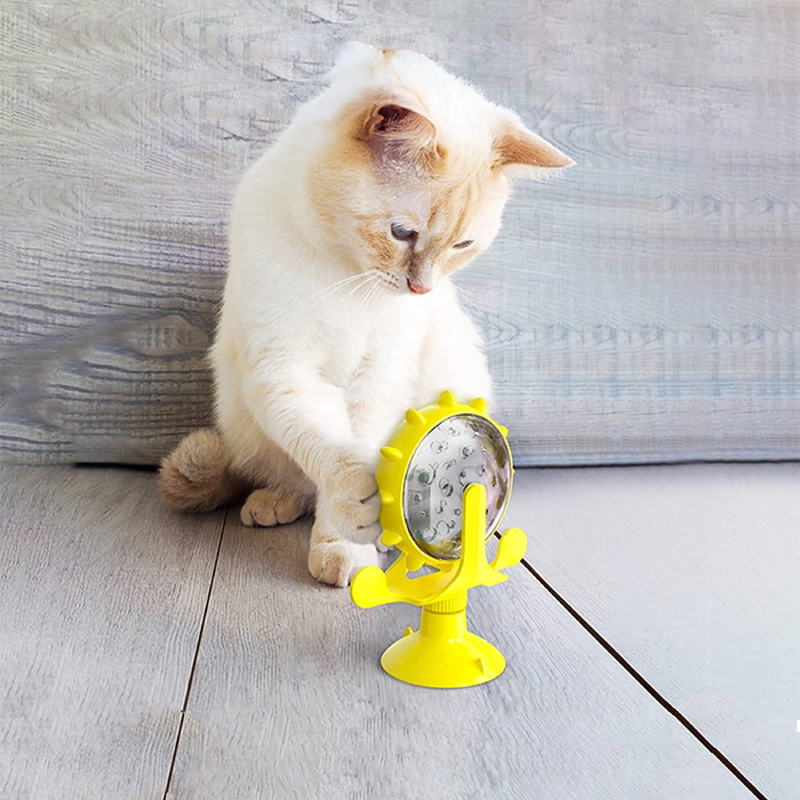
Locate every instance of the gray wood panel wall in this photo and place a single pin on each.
(644, 307)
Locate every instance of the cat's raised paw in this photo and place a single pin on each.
(265, 508)
(349, 501)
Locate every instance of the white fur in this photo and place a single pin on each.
(312, 377)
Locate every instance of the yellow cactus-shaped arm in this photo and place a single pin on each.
(510, 549)
(369, 588)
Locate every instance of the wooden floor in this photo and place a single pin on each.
(652, 644)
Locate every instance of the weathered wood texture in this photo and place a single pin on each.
(102, 597)
(691, 574)
(642, 307)
(288, 701)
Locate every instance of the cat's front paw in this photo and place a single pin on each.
(349, 502)
(336, 562)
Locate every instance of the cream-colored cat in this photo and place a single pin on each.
(338, 311)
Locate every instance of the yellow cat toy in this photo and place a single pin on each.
(445, 481)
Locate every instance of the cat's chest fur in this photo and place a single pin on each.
(357, 347)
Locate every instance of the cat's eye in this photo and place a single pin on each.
(462, 245)
(404, 234)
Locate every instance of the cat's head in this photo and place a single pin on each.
(416, 166)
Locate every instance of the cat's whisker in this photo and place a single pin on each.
(371, 292)
(362, 301)
(341, 284)
(327, 292)
(370, 277)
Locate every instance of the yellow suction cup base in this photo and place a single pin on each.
(442, 654)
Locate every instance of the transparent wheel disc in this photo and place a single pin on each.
(460, 450)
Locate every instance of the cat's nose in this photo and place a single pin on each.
(418, 288)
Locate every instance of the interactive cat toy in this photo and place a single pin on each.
(445, 482)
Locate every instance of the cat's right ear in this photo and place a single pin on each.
(398, 129)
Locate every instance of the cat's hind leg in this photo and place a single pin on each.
(197, 476)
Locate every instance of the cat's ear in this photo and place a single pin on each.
(353, 57)
(398, 129)
(524, 154)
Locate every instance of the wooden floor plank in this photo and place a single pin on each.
(691, 573)
(103, 591)
(288, 701)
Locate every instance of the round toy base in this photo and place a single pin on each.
(443, 663)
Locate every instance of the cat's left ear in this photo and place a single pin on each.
(398, 129)
(524, 154)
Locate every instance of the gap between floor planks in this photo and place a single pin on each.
(188, 692)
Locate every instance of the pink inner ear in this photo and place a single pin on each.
(391, 116)
(393, 120)
(399, 134)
